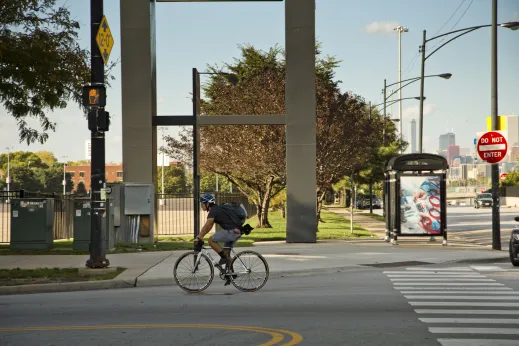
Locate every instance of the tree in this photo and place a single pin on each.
(511, 179)
(47, 157)
(81, 189)
(42, 66)
(252, 158)
(208, 182)
(175, 180)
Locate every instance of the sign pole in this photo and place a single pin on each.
(492, 148)
(496, 229)
(94, 98)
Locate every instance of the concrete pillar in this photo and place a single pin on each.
(300, 121)
(139, 97)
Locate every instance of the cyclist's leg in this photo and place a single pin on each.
(223, 236)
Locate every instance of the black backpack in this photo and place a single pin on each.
(236, 213)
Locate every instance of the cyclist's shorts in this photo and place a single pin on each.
(227, 237)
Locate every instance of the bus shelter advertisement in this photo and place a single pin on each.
(420, 205)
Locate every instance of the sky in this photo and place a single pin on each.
(357, 32)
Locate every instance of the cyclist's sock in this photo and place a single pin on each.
(222, 254)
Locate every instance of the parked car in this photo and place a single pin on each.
(363, 202)
(483, 200)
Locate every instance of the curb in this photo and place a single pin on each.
(66, 287)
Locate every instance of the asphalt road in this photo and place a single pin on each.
(362, 306)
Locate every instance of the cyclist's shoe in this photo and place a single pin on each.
(227, 282)
(223, 261)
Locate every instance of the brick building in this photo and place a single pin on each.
(81, 174)
(113, 173)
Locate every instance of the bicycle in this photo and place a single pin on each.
(235, 269)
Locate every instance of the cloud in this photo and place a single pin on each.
(381, 27)
(413, 112)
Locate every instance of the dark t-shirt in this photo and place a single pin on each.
(221, 218)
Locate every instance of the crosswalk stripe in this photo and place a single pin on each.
(471, 320)
(453, 279)
(406, 272)
(449, 283)
(507, 304)
(477, 342)
(458, 297)
(436, 276)
(494, 288)
(461, 292)
(441, 269)
(467, 312)
(478, 330)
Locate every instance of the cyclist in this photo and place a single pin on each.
(228, 235)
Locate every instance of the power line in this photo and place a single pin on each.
(410, 67)
(462, 15)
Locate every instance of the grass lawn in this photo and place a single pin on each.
(12, 277)
(374, 216)
(334, 226)
(64, 247)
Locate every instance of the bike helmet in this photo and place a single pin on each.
(207, 198)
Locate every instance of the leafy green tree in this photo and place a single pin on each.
(81, 189)
(175, 180)
(208, 182)
(512, 179)
(42, 64)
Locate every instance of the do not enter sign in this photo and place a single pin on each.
(492, 147)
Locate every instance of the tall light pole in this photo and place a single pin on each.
(8, 180)
(509, 25)
(400, 29)
(409, 81)
(64, 176)
(162, 129)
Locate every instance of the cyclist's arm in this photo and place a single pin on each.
(207, 228)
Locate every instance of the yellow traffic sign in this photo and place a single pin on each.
(105, 40)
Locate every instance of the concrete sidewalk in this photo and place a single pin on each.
(475, 239)
(156, 268)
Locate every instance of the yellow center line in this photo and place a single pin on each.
(276, 334)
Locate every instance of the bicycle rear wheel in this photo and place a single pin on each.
(250, 271)
(189, 275)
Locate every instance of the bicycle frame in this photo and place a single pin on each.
(208, 254)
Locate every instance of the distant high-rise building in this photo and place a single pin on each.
(88, 149)
(447, 139)
(412, 136)
(452, 152)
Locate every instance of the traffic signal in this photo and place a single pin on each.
(94, 96)
(98, 120)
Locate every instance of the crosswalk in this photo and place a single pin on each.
(460, 305)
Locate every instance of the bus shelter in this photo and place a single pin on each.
(416, 196)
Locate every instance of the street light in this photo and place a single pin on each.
(163, 200)
(8, 181)
(509, 25)
(400, 29)
(410, 81)
(64, 176)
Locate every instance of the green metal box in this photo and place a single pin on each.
(32, 223)
(82, 222)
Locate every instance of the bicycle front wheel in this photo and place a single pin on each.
(193, 272)
(250, 271)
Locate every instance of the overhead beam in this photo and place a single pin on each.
(188, 120)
